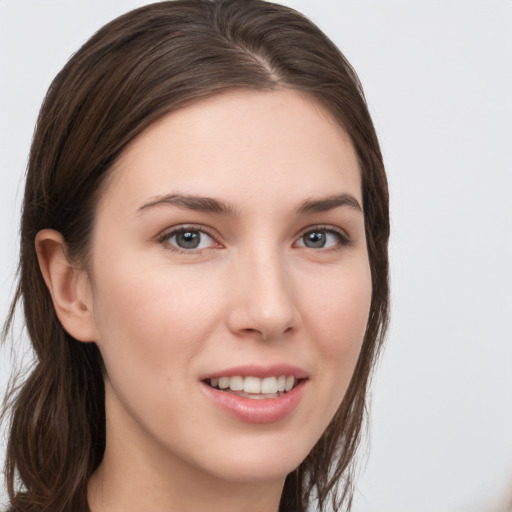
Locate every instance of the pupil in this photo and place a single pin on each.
(187, 239)
(315, 239)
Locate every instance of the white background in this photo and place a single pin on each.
(438, 79)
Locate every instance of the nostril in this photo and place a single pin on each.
(267, 334)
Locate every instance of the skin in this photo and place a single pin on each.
(252, 293)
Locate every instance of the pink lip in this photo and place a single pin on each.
(268, 410)
(259, 371)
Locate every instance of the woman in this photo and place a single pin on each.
(203, 268)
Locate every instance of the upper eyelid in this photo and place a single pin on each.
(344, 240)
(166, 233)
(323, 227)
(164, 238)
(183, 227)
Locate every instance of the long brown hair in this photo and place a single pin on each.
(137, 68)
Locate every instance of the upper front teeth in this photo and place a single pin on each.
(268, 385)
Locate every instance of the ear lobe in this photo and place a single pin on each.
(69, 286)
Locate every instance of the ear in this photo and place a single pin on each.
(69, 286)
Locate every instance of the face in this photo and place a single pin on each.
(230, 286)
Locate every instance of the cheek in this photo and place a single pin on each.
(339, 313)
(341, 307)
(148, 317)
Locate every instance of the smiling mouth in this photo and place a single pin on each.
(254, 387)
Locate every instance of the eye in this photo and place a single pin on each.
(322, 238)
(188, 239)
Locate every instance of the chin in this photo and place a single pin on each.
(258, 461)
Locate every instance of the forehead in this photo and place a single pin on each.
(250, 146)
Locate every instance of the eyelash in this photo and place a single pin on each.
(342, 237)
(164, 238)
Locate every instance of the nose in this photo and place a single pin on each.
(263, 299)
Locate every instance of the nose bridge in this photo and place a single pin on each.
(265, 299)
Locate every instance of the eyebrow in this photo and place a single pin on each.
(329, 203)
(186, 202)
(211, 205)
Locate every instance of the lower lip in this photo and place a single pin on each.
(266, 410)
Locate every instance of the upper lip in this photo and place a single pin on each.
(260, 371)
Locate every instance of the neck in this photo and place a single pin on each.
(112, 491)
(137, 473)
